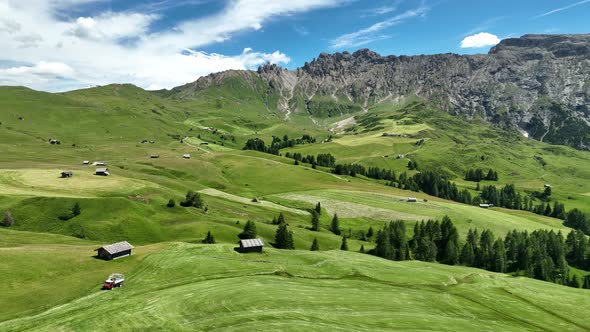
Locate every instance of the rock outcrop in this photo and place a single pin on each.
(538, 84)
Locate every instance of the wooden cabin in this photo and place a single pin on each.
(251, 245)
(186, 156)
(114, 251)
(102, 172)
(412, 199)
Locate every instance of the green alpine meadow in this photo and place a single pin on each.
(345, 191)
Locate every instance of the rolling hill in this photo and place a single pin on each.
(177, 283)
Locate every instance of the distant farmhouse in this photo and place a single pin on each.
(67, 174)
(155, 156)
(251, 245)
(186, 156)
(54, 141)
(102, 171)
(86, 162)
(485, 206)
(115, 250)
(412, 199)
(99, 163)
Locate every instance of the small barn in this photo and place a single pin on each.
(114, 251)
(54, 141)
(154, 156)
(485, 206)
(251, 245)
(412, 199)
(67, 174)
(102, 171)
(186, 156)
(85, 162)
(99, 163)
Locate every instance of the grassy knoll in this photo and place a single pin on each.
(210, 287)
(176, 283)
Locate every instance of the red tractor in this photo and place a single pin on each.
(114, 280)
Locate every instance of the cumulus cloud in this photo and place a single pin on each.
(373, 32)
(122, 47)
(112, 26)
(38, 74)
(479, 40)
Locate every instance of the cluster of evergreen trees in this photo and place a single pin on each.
(477, 175)
(433, 184)
(372, 172)
(509, 198)
(576, 219)
(542, 254)
(323, 159)
(192, 199)
(277, 144)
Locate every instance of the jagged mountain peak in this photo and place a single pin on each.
(539, 84)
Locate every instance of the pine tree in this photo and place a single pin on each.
(547, 210)
(249, 231)
(467, 257)
(171, 203)
(344, 245)
(76, 210)
(280, 219)
(362, 250)
(315, 221)
(335, 226)
(318, 208)
(209, 239)
(370, 232)
(383, 248)
(315, 245)
(8, 219)
(284, 237)
(499, 256)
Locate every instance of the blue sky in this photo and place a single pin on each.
(58, 45)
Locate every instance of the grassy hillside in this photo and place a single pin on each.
(208, 287)
(178, 284)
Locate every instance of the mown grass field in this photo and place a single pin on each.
(175, 283)
(210, 287)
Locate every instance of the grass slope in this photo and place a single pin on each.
(189, 287)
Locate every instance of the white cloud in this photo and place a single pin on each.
(112, 26)
(371, 34)
(479, 40)
(119, 47)
(38, 74)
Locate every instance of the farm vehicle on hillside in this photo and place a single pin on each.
(114, 280)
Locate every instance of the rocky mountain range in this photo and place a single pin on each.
(536, 84)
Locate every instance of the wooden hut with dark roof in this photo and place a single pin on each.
(114, 251)
(251, 245)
